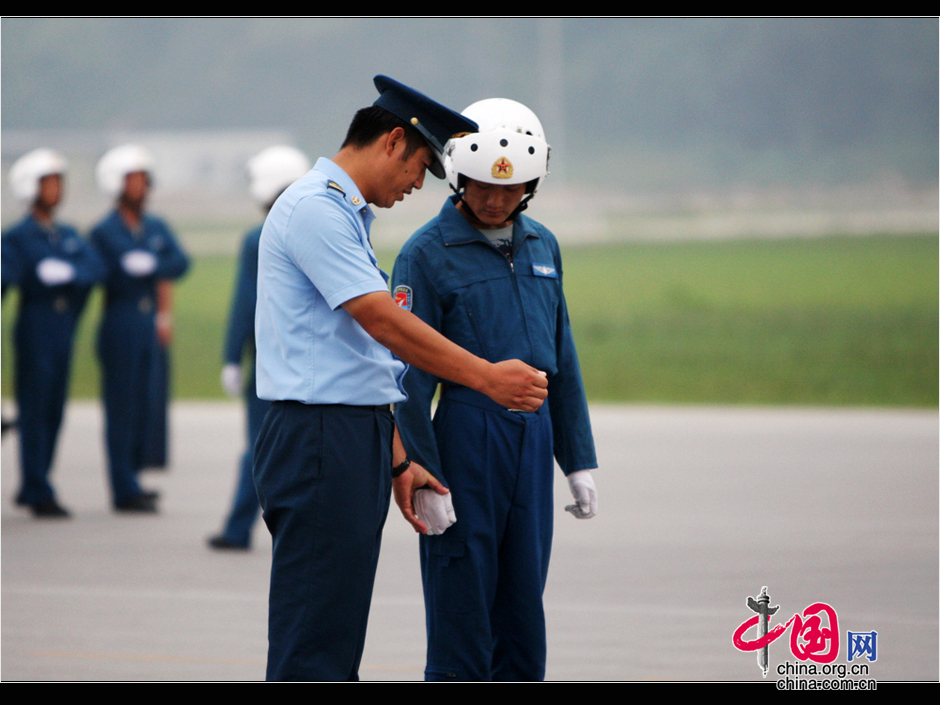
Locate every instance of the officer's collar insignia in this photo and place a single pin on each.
(333, 184)
(502, 168)
(356, 200)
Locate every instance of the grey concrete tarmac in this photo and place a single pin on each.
(699, 508)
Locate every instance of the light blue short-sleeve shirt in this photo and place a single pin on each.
(314, 256)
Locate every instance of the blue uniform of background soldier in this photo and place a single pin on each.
(54, 270)
(490, 279)
(142, 255)
(270, 172)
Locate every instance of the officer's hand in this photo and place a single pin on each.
(516, 385)
(584, 493)
(404, 487)
(435, 510)
(139, 263)
(53, 271)
(232, 379)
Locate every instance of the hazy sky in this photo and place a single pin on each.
(637, 100)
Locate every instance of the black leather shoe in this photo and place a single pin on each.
(141, 504)
(50, 509)
(220, 543)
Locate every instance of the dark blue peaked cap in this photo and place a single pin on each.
(434, 121)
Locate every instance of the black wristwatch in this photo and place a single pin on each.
(399, 469)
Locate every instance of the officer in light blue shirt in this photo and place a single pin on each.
(321, 358)
(332, 350)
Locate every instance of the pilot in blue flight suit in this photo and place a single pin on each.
(269, 172)
(332, 349)
(490, 279)
(140, 252)
(54, 270)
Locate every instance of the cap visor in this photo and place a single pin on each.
(437, 166)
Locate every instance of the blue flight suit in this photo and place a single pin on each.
(323, 458)
(153, 452)
(239, 343)
(128, 347)
(485, 575)
(45, 328)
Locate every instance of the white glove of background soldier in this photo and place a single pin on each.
(584, 493)
(139, 263)
(232, 379)
(435, 510)
(53, 271)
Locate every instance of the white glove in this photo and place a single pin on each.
(232, 379)
(53, 271)
(584, 493)
(139, 263)
(435, 510)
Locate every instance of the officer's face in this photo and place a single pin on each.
(492, 204)
(405, 174)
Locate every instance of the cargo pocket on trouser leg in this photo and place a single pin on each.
(460, 642)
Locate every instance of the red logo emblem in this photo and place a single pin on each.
(402, 296)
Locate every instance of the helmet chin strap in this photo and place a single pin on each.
(523, 204)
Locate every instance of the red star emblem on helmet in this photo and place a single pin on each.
(502, 168)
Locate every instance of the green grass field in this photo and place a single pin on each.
(828, 321)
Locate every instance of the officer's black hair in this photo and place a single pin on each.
(370, 123)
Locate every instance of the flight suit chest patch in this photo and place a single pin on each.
(544, 270)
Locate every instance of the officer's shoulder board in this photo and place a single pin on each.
(355, 200)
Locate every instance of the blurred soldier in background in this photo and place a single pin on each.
(489, 278)
(141, 253)
(269, 172)
(54, 270)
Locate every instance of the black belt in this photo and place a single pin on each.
(368, 407)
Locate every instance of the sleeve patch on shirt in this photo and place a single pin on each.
(544, 270)
(402, 295)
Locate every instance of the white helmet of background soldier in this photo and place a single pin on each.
(272, 170)
(510, 147)
(29, 169)
(117, 163)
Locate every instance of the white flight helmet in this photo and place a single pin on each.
(117, 163)
(272, 170)
(510, 147)
(29, 169)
